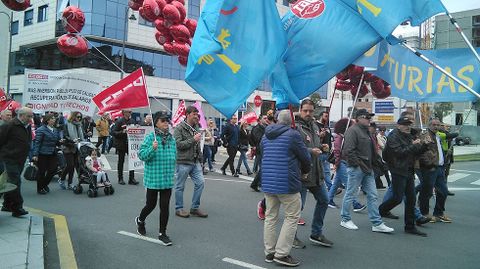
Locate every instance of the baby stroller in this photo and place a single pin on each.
(85, 176)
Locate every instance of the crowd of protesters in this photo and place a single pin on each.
(289, 162)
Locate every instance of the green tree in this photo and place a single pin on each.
(442, 109)
(316, 98)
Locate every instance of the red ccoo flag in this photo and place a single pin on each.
(180, 114)
(130, 92)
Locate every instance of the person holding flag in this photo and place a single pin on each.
(121, 144)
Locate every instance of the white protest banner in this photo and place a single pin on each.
(136, 135)
(60, 91)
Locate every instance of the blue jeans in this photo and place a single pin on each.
(195, 172)
(357, 178)
(389, 194)
(326, 169)
(320, 195)
(433, 178)
(340, 178)
(207, 156)
(243, 158)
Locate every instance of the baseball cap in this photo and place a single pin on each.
(364, 112)
(404, 121)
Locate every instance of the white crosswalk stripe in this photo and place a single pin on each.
(476, 182)
(457, 176)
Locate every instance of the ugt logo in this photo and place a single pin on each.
(136, 83)
(307, 9)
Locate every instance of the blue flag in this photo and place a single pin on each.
(386, 15)
(323, 38)
(236, 45)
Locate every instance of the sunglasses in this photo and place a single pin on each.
(366, 117)
(79, 117)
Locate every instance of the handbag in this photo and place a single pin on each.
(30, 172)
(331, 158)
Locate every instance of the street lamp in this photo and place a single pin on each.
(131, 18)
(10, 18)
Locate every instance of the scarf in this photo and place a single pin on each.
(75, 131)
(164, 135)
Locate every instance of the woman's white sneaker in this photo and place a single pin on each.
(349, 225)
(382, 228)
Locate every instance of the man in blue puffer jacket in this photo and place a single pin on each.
(285, 159)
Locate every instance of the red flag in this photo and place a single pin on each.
(249, 118)
(3, 97)
(130, 92)
(180, 114)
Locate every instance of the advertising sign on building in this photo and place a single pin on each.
(384, 111)
(60, 91)
(136, 135)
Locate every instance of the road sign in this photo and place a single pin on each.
(257, 101)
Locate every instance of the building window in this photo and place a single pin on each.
(142, 21)
(28, 18)
(42, 13)
(476, 20)
(14, 29)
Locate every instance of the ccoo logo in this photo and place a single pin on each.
(307, 9)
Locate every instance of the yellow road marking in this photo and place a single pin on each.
(64, 242)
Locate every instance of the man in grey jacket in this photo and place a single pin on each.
(358, 150)
(189, 158)
(315, 182)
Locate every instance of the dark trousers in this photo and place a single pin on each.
(164, 205)
(13, 199)
(72, 163)
(258, 177)
(433, 178)
(378, 180)
(232, 152)
(102, 141)
(47, 166)
(402, 186)
(214, 151)
(121, 160)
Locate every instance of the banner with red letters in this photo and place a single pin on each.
(180, 114)
(130, 92)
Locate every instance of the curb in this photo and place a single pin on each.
(35, 255)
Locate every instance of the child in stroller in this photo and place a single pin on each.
(87, 156)
(96, 166)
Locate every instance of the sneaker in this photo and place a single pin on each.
(62, 184)
(70, 187)
(182, 213)
(140, 226)
(332, 204)
(297, 243)
(444, 218)
(389, 215)
(287, 261)
(382, 228)
(423, 220)
(260, 211)
(359, 208)
(301, 221)
(320, 240)
(415, 231)
(269, 257)
(433, 219)
(100, 184)
(198, 212)
(164, 239)
(349, 225)
(107, 183)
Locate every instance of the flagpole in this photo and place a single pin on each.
(149, 106)
(162, 104)
(460, 31)
(354, 102)
(423, 57)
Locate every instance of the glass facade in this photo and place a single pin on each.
(193, 9)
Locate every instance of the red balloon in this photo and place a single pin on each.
(362, 93)
(168, 47)
(191, 25)
(343, 75)
(161, 4)
(383, 94)
(180, 33)
(183, 60)
(344, 85)
(181, 49)
(168, 23)
(168, 1)
(377, 86)
(181, 1)
(160, 25)
(72, 45)
(17, 5)
(73, 19)
(369, 77)
(134, 5)
(163, 38)
(171, 13)
(150, 10)
(181, 10)
(138, 1)
(355, 71)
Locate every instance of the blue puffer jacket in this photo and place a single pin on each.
(285, 158)
(45, 141)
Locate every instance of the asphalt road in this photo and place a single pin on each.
(233, 233)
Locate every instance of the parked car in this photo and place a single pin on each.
(462, 140)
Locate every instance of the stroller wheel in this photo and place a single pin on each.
(95, 193)
(77, 189)
(106, 190)
(111, 190)
(91, 193)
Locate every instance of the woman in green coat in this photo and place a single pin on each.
(160, 157)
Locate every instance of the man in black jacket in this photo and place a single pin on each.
(121, 144)
(15, 140)
(230, 138)
(400, 152)
(255, 138)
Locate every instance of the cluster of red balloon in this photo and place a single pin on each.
(6, 103)
(349, 79)
(17, 5)
(174, 31)
(73, 44)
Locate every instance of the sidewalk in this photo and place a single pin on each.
(21, 241)
(466, 150)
